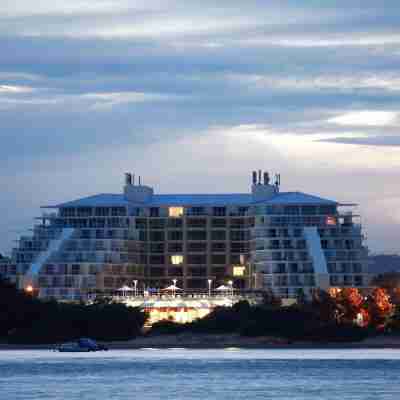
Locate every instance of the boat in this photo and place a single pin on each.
(82, 345)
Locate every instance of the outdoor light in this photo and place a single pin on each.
(29, 289)
(209, 287)
(230, 283)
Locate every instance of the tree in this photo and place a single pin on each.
(325, 306)
(391, 282)
(350, 304)
(269, 299)
(379, 307)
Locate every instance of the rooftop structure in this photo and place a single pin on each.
(285, 242)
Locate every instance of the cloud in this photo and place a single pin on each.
(15, 89)
(206, 91)
(384, 140)
(366, 118)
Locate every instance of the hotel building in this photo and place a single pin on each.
(285, 242)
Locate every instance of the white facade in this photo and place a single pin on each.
(285, 242)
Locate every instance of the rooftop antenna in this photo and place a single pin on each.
(277, 180)
(128, 178)
(266, 178)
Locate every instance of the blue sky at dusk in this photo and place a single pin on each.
(195, 95)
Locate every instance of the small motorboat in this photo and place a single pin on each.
(82, 345)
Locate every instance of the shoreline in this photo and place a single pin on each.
(223, 342)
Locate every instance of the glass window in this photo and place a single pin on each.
(177, 259)
(238, 270)
(175, 212)
(219, 211)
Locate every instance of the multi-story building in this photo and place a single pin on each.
(287, 242)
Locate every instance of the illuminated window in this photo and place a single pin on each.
(238, 270)
(330, 220)
(176, 259)
(175, 212)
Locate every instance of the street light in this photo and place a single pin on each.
(209, 287)
(174, 281)
(230, 283)
(135, 282)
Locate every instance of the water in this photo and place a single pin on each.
(201, 374)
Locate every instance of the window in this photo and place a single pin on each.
(177, 259)
(196, 259)
(175, 223)
(196, 223)
(157, 223)
(219, 211)
(219, 222)
(197, 246)
(308, 210)
(76, 269)
(198, 271)
(159, 259)
(175, 272)
(218, 259)
(197, 235)
(218, 246)
(175, 212)
(157, 247)
(218, 235)
(238, 270)
(330, 220)
(196, 211)
(154, 211)
(175, 235)
(175, 247)
(118, 211)
(239, 235)
(102, 211)
(156, 236)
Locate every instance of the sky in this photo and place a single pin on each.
(195, 95)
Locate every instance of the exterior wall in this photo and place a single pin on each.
(103, 252)
(285, 264)
(209, 243)
(259, 245)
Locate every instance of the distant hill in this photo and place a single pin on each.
(380, 263)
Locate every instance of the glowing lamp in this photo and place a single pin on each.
(29, 289)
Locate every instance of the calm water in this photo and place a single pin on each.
(201, 374)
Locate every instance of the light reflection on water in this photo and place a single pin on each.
(178, 373)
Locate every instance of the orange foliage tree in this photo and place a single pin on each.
(379, 307)
(350, 303)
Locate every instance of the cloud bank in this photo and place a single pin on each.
(89, 89)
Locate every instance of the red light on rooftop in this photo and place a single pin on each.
(330, 220)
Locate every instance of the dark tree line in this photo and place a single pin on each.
(25, 319)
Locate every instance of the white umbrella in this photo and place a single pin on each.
(223, 287)
(172, 287)
(125, 288)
